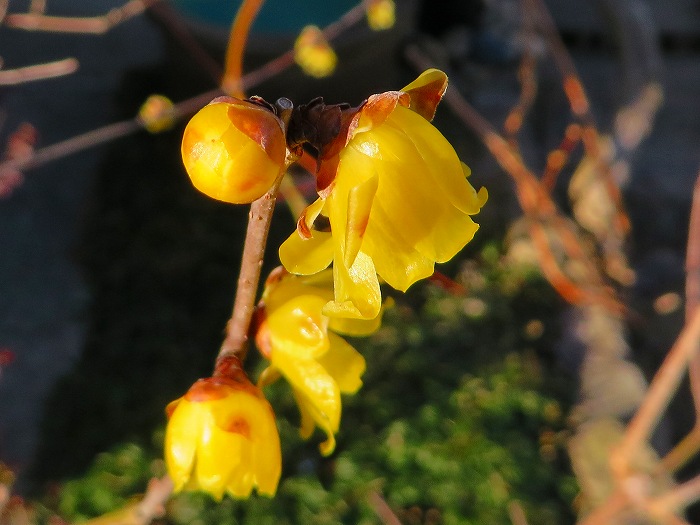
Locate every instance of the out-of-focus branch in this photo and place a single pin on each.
(690, 444)
(21, 75)
(382, 509)
(97, 25)
(658, 396)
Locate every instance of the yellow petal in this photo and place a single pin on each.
(312, 382)
(297, 327)
(355, 327)
(218, 457)
(345, 364)
(360, 201)
(412, 192)
(181, 442)
(307, 423)
(306, 256)
(441, 156)
(357, 292)
(395, 259)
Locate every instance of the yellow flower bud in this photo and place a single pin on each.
(234, 150)
(222, 437)
(157, 113)
(381, 14)
(313, 53)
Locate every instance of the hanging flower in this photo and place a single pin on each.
(222, 437)
(396, 196)
(313, 53)
(234, 150)
(319, 365)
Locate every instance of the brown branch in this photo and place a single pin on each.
(527, 78)
(97, 25)
(21, 75)
(580, 106)
(236, 341)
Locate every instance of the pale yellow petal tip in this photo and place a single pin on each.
(381, 14)
(157, 114)
(313, 53)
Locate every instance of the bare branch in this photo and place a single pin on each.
(21, 75)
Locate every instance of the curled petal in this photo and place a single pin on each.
(426, 92)
(318, 392)
(307, 256)
(360, 201)
(345, 364)
(357, 292)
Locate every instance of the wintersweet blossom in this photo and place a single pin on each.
(234, 150)
(294, 335)
(396, 196)
(222, 437)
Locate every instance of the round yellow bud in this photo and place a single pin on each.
(234, 150)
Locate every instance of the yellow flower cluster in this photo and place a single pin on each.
(393, 200)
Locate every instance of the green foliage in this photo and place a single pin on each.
(454, 423)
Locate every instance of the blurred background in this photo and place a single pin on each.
(116, 277)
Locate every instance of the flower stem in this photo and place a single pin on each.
(235, 343)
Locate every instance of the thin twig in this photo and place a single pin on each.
(690, 444)
(231, 82)
(96, 25)
(580, 106)
(22, 75)
(177, 27)
(99, 136)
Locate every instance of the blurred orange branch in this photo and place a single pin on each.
(233, 68)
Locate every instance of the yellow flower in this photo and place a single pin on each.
(396, 196)
(313, 53)
(234, 150)
(319, 365)
(381, 14)
(222, 437)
